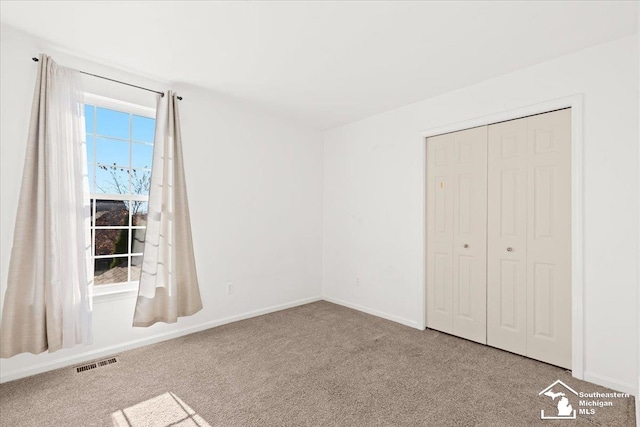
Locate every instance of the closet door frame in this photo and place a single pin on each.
(574, 102)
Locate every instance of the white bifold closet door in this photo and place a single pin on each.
(529, 237)
(457, 233)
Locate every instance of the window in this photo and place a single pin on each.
(119, 155)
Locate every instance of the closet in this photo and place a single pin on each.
(457, 233)
(499, 235)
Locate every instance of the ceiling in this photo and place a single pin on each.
(323, 63)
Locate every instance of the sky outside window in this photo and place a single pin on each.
(120, 139)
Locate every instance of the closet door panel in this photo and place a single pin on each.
(549, 238)
(469, 234)
(440, 163)
(507, 236)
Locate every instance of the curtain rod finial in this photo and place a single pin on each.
(35, 59)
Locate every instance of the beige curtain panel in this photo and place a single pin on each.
(168, 283)
(47, 304)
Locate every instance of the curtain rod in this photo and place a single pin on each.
(118, 81)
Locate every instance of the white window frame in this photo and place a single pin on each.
(130, 287)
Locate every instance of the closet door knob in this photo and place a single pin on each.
(509, 249)
(466, 245)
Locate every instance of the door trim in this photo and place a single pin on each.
(575, 102)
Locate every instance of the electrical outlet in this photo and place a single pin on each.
(229, 286)
(357, 280)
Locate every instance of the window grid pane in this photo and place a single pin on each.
(119, 167)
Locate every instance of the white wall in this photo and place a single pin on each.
(373, 171)
(255, 190)
(638, 264)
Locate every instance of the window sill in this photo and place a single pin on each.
(104, 293)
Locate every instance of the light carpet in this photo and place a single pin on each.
(315, 365)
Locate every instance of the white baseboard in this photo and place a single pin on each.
(103, 352)
(394, 318)
(611, 383)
